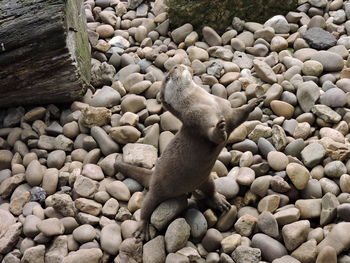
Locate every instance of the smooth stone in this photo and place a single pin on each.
(212, 240)
(281, 108)
(84, 233)
(313, 154)
(118, 190)
(307, 94)
(327, 255)
(176, 235)
(267, 223)
(154, 251)
(270, 248)
(298, 174)
(336, 238)
(93, 172)
(197, 222)
(106, 143)
(309, 208)
(277, 160)
(333, 98)
(51, 227)
(111, 238)
(330, 61)
(295, 234)
(211, 37)
(34, 173)
(90, 255)
(279, 24)
(306, 252)
(167, 211)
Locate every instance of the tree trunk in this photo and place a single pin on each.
(44, 52)
(219, 13)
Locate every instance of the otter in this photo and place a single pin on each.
(187, 161)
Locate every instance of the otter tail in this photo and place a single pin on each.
(141, 175)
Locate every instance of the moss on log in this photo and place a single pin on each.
(219, 13)
(44, 52)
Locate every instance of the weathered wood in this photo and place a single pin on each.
(44, 52)
(219, 13)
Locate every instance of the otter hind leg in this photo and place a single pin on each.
(214, 199)
(153, 198)
(141, 175)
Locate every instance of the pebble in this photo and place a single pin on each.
(294, 234)
(154, 250)
(244, 254)
(298, 174)
(84, 233)
(51, 227)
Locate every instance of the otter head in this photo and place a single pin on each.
(180, 76)
(176, 84)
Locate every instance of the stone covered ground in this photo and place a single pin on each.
(285, 171)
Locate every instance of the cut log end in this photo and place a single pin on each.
(44, 52)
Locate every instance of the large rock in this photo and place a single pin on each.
(219, 14)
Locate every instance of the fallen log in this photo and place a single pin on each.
(219, 13)
(44, 52)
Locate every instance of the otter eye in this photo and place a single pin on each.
(167, 78)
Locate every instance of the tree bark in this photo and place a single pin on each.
(44, 52)
(219, 13)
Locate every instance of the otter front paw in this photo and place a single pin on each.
(256, 102)
(218, 133)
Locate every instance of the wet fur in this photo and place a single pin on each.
(187, 161)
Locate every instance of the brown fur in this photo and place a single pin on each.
(187, 161)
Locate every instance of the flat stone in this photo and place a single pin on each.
(140, 154)
(330, 61)
(51, 227)
(309, 208)
(91, 255)
(326, 113)
(319, 38)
